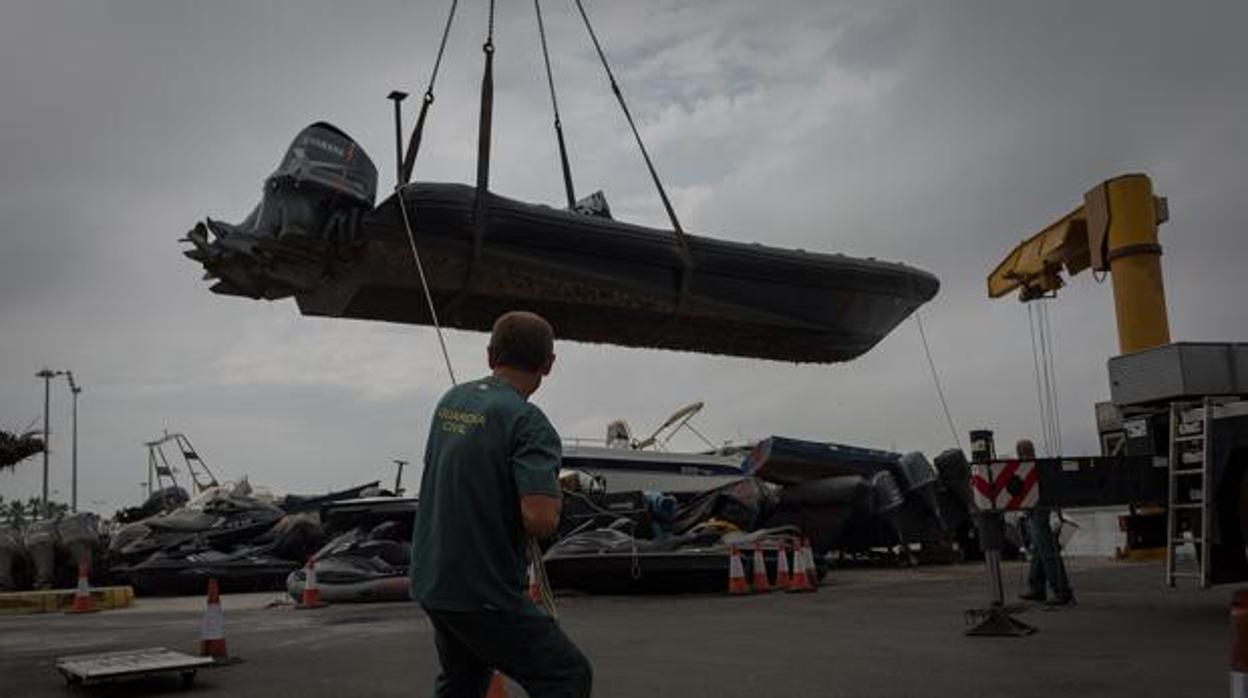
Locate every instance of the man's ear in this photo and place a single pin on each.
(550, 363)
(489, 358)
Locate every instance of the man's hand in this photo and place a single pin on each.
(540, 514)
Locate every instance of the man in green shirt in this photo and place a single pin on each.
(490, 480)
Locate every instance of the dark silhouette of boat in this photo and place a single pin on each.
(317, 237)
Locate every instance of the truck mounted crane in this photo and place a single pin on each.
(1178, 409)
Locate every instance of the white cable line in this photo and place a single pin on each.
(1044, 366)
(533, 548)
(424, 284)
(936, 379)
(1057, 410)
(1048, 380)
(1035, 365)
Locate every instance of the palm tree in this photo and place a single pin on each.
(15, 448)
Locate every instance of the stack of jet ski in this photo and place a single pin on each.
(841, 498)
(243, 540)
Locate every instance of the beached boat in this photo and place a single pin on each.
(625, 469)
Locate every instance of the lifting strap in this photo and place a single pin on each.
(682, 245)
(554, 103)
(413, 145)
(480, 213)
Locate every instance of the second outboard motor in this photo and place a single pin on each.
(887, 501)
(80, 534)
(11, 549)
(41, 541)
(955, 472)
(922, 478)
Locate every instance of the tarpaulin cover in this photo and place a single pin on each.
(742, 503)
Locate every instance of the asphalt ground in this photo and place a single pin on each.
(867, 633)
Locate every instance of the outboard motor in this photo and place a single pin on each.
(887, 500)
(11, 550)
(955, 473)
(80, 534)
(312, 204)
(41, 540)
(921, 477)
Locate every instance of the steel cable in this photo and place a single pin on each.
(554, 104)
(682, 243)
(936, 379)
(413, 145)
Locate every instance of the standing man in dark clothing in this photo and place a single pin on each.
(1047, 568)
(490, 480)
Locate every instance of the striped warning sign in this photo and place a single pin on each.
(1005, 485)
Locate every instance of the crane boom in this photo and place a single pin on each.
(1115, 230)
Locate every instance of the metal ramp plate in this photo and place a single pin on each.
(88, 669)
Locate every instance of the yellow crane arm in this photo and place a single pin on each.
(1115, 230)
(1034, 266)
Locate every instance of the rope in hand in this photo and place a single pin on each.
(424, 283)
(533, 548)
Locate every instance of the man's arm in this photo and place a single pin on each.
(535, 464)
(540, 514)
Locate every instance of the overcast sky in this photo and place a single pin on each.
(938, 134)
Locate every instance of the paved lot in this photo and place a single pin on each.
(868, 633)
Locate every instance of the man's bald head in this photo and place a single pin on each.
(522, 340)
(1025, 449)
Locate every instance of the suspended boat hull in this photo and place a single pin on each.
(594, 278)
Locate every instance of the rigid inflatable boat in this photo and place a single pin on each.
(316, 236)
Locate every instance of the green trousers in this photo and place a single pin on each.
(1047, 568)
(528, 647)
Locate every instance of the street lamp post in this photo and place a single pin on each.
(47, 375)
(74, 390)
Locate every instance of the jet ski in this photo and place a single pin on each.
(218, 518)
(316, 236)
(363, 564)
(187, 569)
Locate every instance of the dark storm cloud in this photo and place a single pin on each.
(934, 133)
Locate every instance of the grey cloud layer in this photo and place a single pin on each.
(934, 133)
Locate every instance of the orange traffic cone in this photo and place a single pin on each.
(782, 565)
(311, 597)
(761, 584)
(812, 572)
(736, 574)
(498, 687)
(535, 589)
(83, 601)
(212, 630)
(800, 581)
